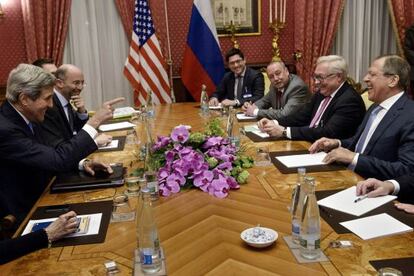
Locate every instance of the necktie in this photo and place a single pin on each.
(360, 145)
(30, 125)
(320, 111)
(278, 99)
(239, 86)
(70, 116)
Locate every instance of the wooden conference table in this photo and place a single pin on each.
(200, 234)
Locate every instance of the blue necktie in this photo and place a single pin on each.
(30, 125)
(363, 137)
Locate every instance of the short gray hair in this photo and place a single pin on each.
(277, 62)
(337, 65)
(27, 79)
(396, 65)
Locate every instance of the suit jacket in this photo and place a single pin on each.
(26, 163)
(295, 95)
(14, 248)
(390, 151)
(56, 126)
(252, 90)
(340, 119)
(406, 193)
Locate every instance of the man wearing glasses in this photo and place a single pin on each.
(68, 114)
(383, 146)
(241, 85)
(336, 110)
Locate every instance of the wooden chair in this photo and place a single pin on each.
(363, 92)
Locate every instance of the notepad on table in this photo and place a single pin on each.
(255, 130)
(242, 116)
(112, 145)
(376, 226)
(302, 160)
(215, 107)
(344, 201)
(123, 112)
(116, 126)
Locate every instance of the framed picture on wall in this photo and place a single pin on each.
(245, 15)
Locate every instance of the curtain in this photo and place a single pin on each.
(315, 27)
(98, 46)
(365, 32)
(402, 15)
(45, 25)
(126, 12)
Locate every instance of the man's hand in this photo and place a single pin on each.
(105, 113)
(79, 103)
(103, 140)
(341, 155)
(409, 208)
(65, 224)
(228, 102)
(249, 110)
(270, 127)
(324, 144)
(90, 166)
(213, 101)
(373, 187)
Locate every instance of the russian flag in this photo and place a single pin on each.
(203, 62)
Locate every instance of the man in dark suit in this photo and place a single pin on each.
(68, 114)
(47, 64)
(383, 146)
(336, 110)
(240, 85)
(287, 94)
(26, 163)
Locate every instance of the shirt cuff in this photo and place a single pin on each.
(288, 133)
(82, 116)
(90, 130)
(353, 162)
(396, 186)
(255, 112)
(237, 102)
(80, 165)
(339, 142)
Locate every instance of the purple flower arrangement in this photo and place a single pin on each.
(208, 162)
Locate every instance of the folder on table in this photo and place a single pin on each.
(80, 180)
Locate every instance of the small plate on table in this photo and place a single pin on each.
(259, 237)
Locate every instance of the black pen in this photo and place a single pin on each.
(360, 198)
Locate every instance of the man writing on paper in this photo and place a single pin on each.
(26, 163)
(240, 85)
(383, 146)
(336, 110)
(286, 95)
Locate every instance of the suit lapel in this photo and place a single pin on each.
(327, 113)
(361, 127)
(385, 123)
(15, 117)
(61, 112)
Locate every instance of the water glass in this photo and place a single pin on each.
(262, 157)
(122, 210)
(132, 186)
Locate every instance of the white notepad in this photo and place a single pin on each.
(115, 126)
(344, 201)
(112, 145)
(215, 107)
(376, 226)
(122, 112)
(242, 116)
(302, 160)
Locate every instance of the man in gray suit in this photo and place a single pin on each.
(286, 95)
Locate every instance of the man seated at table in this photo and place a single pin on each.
(402, 186)
(26, 163)
(68, 114)
(47, 64)
(286, 95)
(240, 85)
(383, 146)
(336, 110)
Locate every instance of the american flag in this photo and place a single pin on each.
(145, 65)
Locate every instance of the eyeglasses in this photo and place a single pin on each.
(238, 61)
(79, 84)
(322, 78)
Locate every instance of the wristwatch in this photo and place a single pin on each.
(284, 133)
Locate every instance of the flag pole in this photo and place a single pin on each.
(169, 60)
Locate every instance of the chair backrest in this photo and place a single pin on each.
(358, 87)
(267, 83)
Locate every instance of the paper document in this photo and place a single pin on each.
(302, 160)
(251, 128)
(212, 107)
(115, 126)
(242, 116)
(93, 228)
(255, 130)
(376, 226)
(122, 112)
(112, 145)
(344, 201)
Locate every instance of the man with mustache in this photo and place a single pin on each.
(336, 110)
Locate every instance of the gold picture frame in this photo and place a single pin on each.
(245, 14)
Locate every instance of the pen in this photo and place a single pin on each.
(360, 198)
